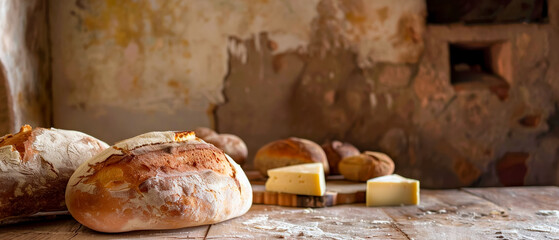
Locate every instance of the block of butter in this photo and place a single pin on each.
(392, 190)
(302, 179)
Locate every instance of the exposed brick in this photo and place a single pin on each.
(531, 120)
(501, 90)
(512, 168)
(394, 76)
(466, 172)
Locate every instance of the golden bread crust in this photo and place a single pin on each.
(158, 185)
(35, 166)
(288, 152)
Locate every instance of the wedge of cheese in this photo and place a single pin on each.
(302, 179)
(392, 190)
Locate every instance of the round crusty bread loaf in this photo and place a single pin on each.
(35, 165)
(336, 151)
(290, 151)
(158, 180)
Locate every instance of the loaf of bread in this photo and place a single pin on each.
(366, 165)
(158, 180)
(231, 144)
(290, 151)
(35, 165)
(336, 151)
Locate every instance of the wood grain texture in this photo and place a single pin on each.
(448, 214)
(533, 211)
(485, 213)
(337, 192)
(340, 222)
(261, 196)
(68, 228)
(44, 216)
(498, 213)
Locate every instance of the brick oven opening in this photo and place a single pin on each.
(480, 65)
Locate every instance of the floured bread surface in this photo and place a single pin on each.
(158, 180)
(35, 165)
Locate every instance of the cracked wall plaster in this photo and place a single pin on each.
(163, 63)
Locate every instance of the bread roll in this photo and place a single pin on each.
(203, 132)
(365, 166)
(288, 152)
(232, 145)
(336, 151)
(35, 165)
(158, 180)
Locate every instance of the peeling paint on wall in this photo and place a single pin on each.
(445, 132)
(119, 54)
(378, 31)
(121, 51)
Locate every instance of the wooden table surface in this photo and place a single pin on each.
(470, 213)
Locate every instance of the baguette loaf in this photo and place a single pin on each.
(158, 180)
(290, 151)
(35, 165)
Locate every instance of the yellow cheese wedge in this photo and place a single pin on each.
(392, 190)
(302, 179)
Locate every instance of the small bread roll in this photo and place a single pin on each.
(158, 180)
(336, 151)
(231, 145)
(290, 151)
(35, 165)
(204, 132)
(365, 166)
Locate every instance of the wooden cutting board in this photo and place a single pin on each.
(337, 192)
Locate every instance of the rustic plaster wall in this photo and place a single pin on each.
(368, 72)
(163, 63)
(125, 67)
(24, 64)
(322, 92)
(477, 133)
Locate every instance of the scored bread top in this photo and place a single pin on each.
(137, 157)
(152, 138)
(61, 149)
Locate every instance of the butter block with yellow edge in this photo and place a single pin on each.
(302, 179)
(392, 190)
